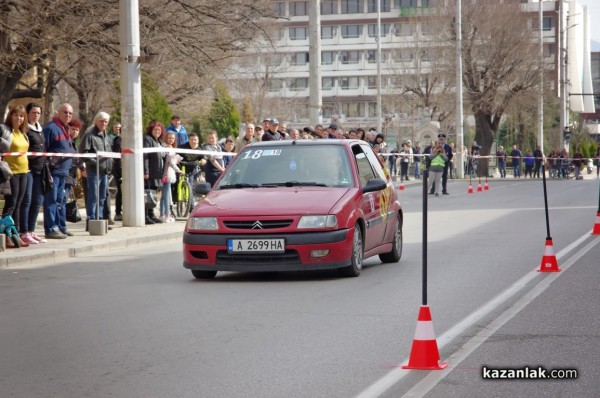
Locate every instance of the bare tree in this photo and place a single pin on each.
(77, 41)
(499, 62)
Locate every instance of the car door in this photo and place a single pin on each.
(370, 202)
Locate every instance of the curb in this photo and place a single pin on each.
(48, 256)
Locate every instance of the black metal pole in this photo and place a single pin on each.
(425, 177)
(546, 203)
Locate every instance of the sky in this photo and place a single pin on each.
(594, 14)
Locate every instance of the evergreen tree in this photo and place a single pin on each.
(247, 113)
(154, 105)
(224, 116)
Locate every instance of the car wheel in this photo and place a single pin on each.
(357, 255)
(394, 255)
(203, 274)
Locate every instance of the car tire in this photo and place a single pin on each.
(203, 274)
(357, 255)
(396, 253)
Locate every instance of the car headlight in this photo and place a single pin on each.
(202, 223)
(327, 221)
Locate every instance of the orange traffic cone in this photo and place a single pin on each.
(470, 189)
(424, 353)
(549, 263)
(401, 187)
(486, 187)
(479, 188)
(596, 230)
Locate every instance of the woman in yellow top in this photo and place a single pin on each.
(14, 139)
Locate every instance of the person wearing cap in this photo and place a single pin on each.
(332, 128)
(272, 134)
(181, 134)
(437, 163)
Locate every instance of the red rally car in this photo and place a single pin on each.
(295, 205)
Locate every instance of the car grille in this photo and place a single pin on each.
(257, 224)
(289, 257)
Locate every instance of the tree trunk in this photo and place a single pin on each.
(485, 132)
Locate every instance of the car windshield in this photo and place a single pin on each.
(289, 166)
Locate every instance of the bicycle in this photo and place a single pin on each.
(184, 200)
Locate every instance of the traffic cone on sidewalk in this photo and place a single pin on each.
(596, 230)
(470, 189)
(424, 354)
(549, 263)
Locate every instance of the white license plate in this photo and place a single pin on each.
(256, 245)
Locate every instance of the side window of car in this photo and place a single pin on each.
(374, 162)
(365, 171)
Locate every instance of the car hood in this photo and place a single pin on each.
(269, 201)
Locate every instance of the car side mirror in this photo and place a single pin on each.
(376, 184)
(202, 188)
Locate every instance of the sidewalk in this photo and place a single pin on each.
(82, 242)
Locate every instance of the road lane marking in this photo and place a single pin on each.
(433, 378)
(395, 375)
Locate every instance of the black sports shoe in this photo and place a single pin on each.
(157, 220)
(55, 235)
(445, 193)
(149, 221)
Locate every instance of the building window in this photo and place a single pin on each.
(385, 29)
(327, 57)
(372, 82)
(275, 60)
(329, 7)
(350, 57)
(405, 55)
(279, 8)
(548, 23)
(352, 7)
(299, 59)
(425, 57)
(384, 7)
(351, 31)
(549, 50)
(403, 29)
(298, 8)
(348, 83)
(429, 3)
(405, 3)
(328, 83)
(353, 109)
(298, 33)
(275, 85)
(426, 29)
(328, 32)
(298, 84)
(372, 56)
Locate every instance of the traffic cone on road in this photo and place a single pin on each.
(596, 230)
(401, 187)
(424, 354)
(549, 263)
(470, 189)
(479, 188)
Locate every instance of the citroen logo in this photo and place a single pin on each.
(257, 225)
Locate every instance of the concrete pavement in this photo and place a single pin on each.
(82, 242)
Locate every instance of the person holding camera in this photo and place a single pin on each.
(437, 163)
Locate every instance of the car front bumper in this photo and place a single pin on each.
(208, 252)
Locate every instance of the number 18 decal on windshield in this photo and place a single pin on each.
(258, 153)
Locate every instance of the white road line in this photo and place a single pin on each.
(395, 375)
(433, 378)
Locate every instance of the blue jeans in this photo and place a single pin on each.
(418, 169)
(62, 212)
(165, 200)
(92, 199)
(32, 201)
(53, 204)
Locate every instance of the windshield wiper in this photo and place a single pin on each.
(295, 184)
(238, 186)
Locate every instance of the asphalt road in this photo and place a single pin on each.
(136, 324)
